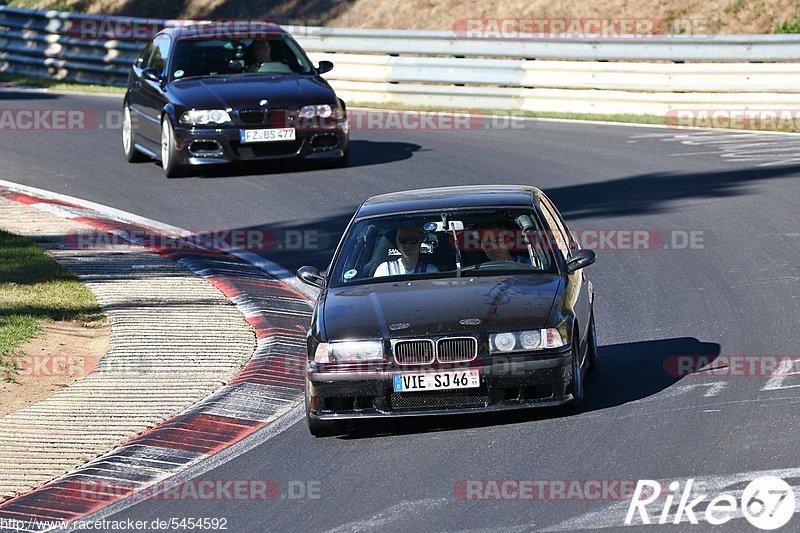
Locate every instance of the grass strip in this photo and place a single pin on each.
(34, 288)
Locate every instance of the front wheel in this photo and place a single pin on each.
(317, 427)
(575, 386)
(169, 155)
(128, 138)
(594, 360)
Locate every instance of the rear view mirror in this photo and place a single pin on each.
(432, 227)
(325, 66)
(455, 225)
(580, 259)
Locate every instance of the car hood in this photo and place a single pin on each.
(245, 92)
(439, 307)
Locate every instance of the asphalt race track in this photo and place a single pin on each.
(735, 290)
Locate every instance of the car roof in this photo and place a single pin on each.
(233, 29)
(449, 198)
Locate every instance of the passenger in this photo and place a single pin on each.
(496, 245)
(409, 242)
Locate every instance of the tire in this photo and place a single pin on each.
(132, 155)
(594, 360)
(575, 386)
(169, 156)
(317, 427)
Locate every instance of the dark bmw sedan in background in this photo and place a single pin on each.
(213, 93)
(450, 300)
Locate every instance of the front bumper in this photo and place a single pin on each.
(206, 146)
(521, 381)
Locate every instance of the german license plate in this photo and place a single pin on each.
(265, 136)
(423, 381)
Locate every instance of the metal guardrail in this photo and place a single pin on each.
(717, 48)
(439, 69)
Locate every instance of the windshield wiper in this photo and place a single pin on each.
(199, 76)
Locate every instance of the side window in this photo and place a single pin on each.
(560, 235)
(144, 57)
(573, 244)
(158, 59)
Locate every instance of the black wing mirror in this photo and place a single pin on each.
(325, 66)
(580, 259)
(311, 276)
(152, 75)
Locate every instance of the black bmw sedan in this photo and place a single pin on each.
(215, 93)
(450, 300)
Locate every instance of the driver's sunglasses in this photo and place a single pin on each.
(407, 241)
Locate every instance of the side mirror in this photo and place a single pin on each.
(151, 74)
(325, 66)
(580, 259)
(311, 276)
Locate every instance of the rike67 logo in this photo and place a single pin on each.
(768, 502)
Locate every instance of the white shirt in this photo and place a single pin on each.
(397, 268)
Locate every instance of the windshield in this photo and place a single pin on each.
(487, 242)
(273, 54)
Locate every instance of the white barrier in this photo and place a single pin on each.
(434, 68)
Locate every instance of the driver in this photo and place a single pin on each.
(262, 50)
(409, 242)
(268, 57)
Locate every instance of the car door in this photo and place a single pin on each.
(577, 290)
(134, 95)
(152, 97)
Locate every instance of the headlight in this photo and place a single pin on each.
(530, 340)
(525, 341)
(350, 351)
(324, 111)
(308, 111)
(205, 116)
(311, 111)
(504, 342)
